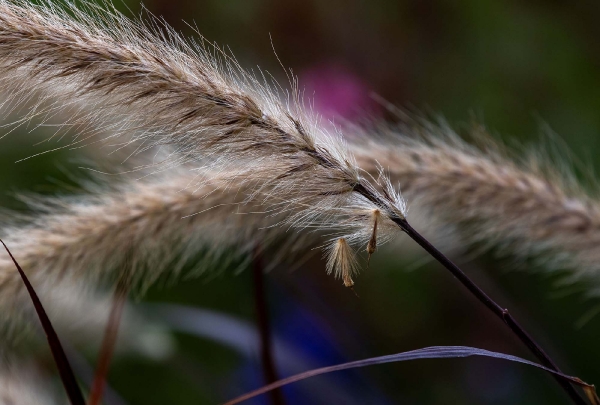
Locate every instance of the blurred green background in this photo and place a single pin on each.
(517, 66)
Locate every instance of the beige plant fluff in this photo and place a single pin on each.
(153, 89)
(169, 219)
(150, 90)
(146, 227)
(261, 154)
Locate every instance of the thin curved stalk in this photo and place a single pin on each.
(474, 289)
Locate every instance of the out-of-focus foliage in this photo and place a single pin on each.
(512, 65)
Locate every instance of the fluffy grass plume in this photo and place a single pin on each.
(153, 88)
(525, 205)
(70, 246)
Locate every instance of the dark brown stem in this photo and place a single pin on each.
(502, 313)
(109, 340)
(264, 327)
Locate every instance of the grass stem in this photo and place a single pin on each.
(264, 327)
(499, 311)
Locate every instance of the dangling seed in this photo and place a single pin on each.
(372, 245)
(342, 262)
(348, 282)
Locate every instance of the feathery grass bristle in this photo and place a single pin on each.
(372, 245)
(342, 261)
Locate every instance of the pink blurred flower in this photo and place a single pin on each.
(336, 92)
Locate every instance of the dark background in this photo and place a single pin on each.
(519, 67)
